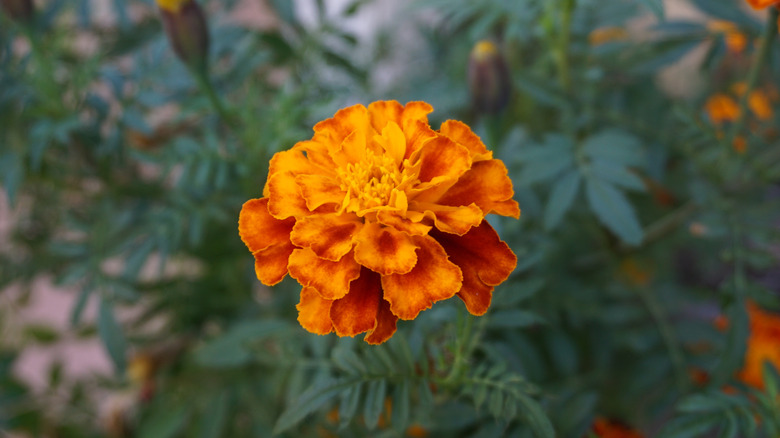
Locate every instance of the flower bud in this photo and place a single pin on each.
(488, 77)
(18, 10)
(187, 31)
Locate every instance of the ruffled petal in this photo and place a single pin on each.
(284, 196)
(385, 325)
(357, 311)
(318, 190)
(456, 220)
(417, 135)
(392, 219)
(464, 136)
(258, 229)
(330, 279)
(434, 278)
(484, 259)
(384, 249)
(415, 112)
(329, 235)
(314, 312)
(271, 263)
(384, 111)
(486, 185)
(333, 131)
(443, 159)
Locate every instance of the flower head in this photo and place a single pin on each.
(605, 428)
(378, 216)
(763, 345)
(187, 31)
(489, 80)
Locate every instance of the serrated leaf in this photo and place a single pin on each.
(312, 399)
(615, 146)
(496, 403)
(614, 211)
(214, 417)
(544, 170)
(164, 423)
(561, 198)
(617, 174)
(350, 399)
(112, 336)
(231, 349)
(401, 406)
(533, 415)
(374, 404)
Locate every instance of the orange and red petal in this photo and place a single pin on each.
(456, 220)
(284, 196)
(761, 4)
(384, 111)
(328, 235)
(342, 124)
(415, 112)
(443, 159)
(385, 250)
(330, 279)
(385, 325)
(484, 259)
(357, 311)
(318, 190)
(393, 219)
(314, 312)
(487, 185)
(460, 133)
(271, 263)
(434, 278)
(258, 229)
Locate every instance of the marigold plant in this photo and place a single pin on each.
(378, 216)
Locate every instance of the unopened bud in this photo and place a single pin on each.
(19, 10)
(187, 31)
(489, 80)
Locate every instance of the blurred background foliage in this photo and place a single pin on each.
(648, 245)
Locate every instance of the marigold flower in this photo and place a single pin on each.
(378, 217)
(722, 108)
(763, 345)
(758, 101)
(761, 4)
(735, 40)
(605, 428)
(489, 80)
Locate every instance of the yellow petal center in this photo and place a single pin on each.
(373, 183)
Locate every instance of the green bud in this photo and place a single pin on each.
(187, 31)
(488, 77)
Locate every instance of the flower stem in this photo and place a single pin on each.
(205, 84)
(755, 69)
(462, 349)
(562, 51)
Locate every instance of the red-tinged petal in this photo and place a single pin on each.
(384, 111)
(484, 259)
(284, 196)
(318, 190)
(434, 278)
(351, 150)
(258, 229)
(417, 134)
(415, 112)
(464, 136)
(329, 235)
(443, 159)
(330, 279)
(292, 160)
(385, 325)
(314, 312)
(486, 185)
(384, 249)
(392, 219)
(357, 311)
(271, 263)
(456, 220)
(333, 131)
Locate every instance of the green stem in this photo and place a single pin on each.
(205, 84)
(755, 70)
(562, 50)
(463, 345)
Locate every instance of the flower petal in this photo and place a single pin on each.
(284, 196)
(329, 235)
(384, 111)
(486, 185)
(434, 278)
(443, 159)
(464, 136)
(385, 325)
(484, 259)
(314, 312)
(330, 279)
(456, 220)
(357, 311)
(318, 190)
(392, 219)
(271, 263)
(258, 229)
(342, 124)
(384, 249)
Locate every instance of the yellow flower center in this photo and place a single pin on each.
(173, 6)
(373, 183)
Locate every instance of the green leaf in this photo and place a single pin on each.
(656, 6)
(214, 417)
(514, 319)
(374, 402)
(614, 211)
(112, 336)
(311, 400)
(615, 146)
(232, 348)
(561, 198)
(164, 423)
(350, 399)
(533, 415)
(617, 174)
(401, 402)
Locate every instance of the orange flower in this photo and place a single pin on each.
(722, 108)
(611, 429)
(758, 101)
(761, 4)
(378, 217)
(763, 345)
(735, 40)
(608, 34)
